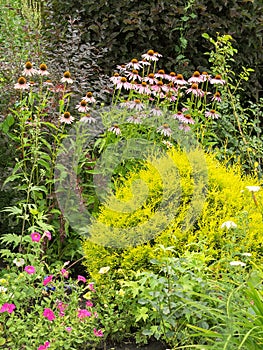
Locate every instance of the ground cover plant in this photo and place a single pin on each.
(137, 216)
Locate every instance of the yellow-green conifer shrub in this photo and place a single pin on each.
(224, 197)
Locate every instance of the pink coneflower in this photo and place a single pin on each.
(151, 56)
(171, 76)
(81, 278)
(35, 236)
(7, 308)
(45, 346)
(122, 83)
(217, 97)
(29, 70)
(89, 97)
(98, 333)
(82, 106)
(88, 119)
(136, 104)
(143, 88)
(115, 129)
(115, 78)
(179, 80)
(184, 118)
(217, 80)
(83, 313)
(156, 111)
(21, 84)
(184, 127)
(134, 75)
(43, 69)
(30, 269)
(195, 90)
(212, 113)
(47, 280)
(164, 130)
(150, 79)
(121, 68)
(159, 87)
(134, 119)
(66, 78)
(170, 96)
(161, 74)
(134, 64)
(205, 76)
(66, 118)
(195, 78)
(49, 314)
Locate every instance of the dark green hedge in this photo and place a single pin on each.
(173, 28)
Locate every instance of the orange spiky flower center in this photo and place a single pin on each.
(43, 67)
(21, 81)
(28, 65)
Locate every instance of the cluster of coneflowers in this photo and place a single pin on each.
(144, 91)
(49, 285)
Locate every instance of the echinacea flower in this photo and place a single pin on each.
(88, 119)
(229, 224)
(134, 119)
(47, 280)
(49, 314)
(134, 75)
(217, 80)
(21, 84)
(195, 90)
(115, 129)
(35, 236)
(43, 69)
(196, 78)
(136, 104)
(217, 97)
(98, 333)
(8, 308)
(205, 76)
(164, 130)
(133, 64)
(237, 263)
(123, 83)
(143, 88)
(83, 313)
(66, 118)
(115, 78)
(29, 70)
(151, 55)
(179, 80)
(45, 346)
(89, 97)
(104, 269)
(30, 269)
(82, 106)
(81, 278)
(66, 78)
(253, 188)
(184, 127)
(184, 118)
(19, 262)
(212, 114)
(161, 74)
(150, 79)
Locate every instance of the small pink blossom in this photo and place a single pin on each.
(91, 287)
(35, 236)
(45, 346)
(49, 314)
(48, 235)
(81, 278)
(62, 307)
(47, 280)
(64, 273)
(8, 308)
(82, 313)
(89, 303)
(68, 329)
(30, 269)
(98, 333)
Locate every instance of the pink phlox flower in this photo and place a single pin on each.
(8, 308)
(91, 287)
(49, 314)
(82, 313)
(30, 269)
(35, 236)
(45, 346)
(47, 280)
(98, 333)
(62, 307)
(81, 278)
